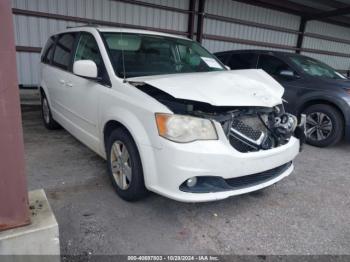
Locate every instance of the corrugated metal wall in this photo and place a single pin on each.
(33, 31)
(251, 13)
(237, 10)
(333, 31)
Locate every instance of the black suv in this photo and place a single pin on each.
(311, 87)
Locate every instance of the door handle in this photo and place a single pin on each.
(69, 84)
(62, 82)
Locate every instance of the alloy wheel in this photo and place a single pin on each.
(319, 126)
(121, 165)
(46, 111)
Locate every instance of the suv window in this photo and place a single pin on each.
(242, 61)
(48, 50)
(63, 51)
(223, 58)
(88, 49)
(273, 65)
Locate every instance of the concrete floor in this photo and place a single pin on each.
(307, 213)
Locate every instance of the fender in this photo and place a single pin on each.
(45, 89)
(314, 96)
(141, 137)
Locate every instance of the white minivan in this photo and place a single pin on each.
(166, 114)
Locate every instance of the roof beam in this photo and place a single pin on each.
(297, 9)
(333, 3)
(283, 6)
(328, 14)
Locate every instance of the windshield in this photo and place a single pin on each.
(146, 55)
(313, 67)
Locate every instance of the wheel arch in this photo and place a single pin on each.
(324, 101)
(43, 91)
(141, 139)
(108, 129)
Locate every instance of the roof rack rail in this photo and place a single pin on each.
(85, 25)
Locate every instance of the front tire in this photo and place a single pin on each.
(46, 115)
(324, 125)
(124, 166)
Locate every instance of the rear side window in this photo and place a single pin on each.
(48, 50)
(63, 51)
(242, 61)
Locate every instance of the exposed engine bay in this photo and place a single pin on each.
(249, 129)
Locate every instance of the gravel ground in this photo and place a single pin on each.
(306, 213)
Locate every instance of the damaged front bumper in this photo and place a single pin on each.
(215, 162)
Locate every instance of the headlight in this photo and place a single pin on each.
(184, 129)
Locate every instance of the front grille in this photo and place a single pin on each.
(245, 129)
(241, 146)
(247, 134)
(258, 178)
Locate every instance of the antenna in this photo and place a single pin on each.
(121, 38)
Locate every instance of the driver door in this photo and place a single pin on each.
(84, 93)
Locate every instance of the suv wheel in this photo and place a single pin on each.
(324, 125)
(46, 115)
(124, 166)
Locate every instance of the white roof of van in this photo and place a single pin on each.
(119, 29)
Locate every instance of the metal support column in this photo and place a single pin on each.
(191, 15)
(200, 22)
(300, 40)
(13, 187)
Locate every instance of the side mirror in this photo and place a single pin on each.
(288, 74)
(85, 68)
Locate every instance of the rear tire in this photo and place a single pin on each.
(46, 115)
(324, 125)
(124, 166)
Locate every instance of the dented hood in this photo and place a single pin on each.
(251, 87)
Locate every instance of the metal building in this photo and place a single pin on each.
(317, 28)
